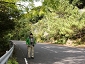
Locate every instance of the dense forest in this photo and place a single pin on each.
(56, 21)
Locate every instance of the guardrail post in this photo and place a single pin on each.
(7, 60)
(10, 45)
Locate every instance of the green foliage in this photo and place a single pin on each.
(12, 61)
(79, 3)
(57, 19)
(10, 1)
(22, 29)
(8, 14)
(51, 3)
(62, 22)
(24, 25)
(4, 46)
(36, 14)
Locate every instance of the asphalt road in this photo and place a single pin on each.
(50, 54)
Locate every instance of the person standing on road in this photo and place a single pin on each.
(30, 42)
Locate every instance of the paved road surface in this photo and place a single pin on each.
(50, 54)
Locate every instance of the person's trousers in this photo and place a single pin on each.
(30, 51)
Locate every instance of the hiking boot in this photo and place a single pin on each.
(32, 57)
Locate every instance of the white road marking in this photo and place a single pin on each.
(26, 61)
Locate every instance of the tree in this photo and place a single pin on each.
(61, 21)
(8, 14)
(79, 3)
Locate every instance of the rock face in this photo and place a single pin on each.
(69, 42)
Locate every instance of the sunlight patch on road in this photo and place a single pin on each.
(72, 60)
(58, 47)
(23, 43)
(49, 49)
(50, 46)
(73, 51)
(36, 52)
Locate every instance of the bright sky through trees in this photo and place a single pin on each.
(36, 4)
(22, 5)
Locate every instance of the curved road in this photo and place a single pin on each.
(50, 54)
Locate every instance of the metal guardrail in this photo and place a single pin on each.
(6, 56)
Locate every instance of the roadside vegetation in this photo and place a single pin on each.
(12, 61)
(56, 21)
